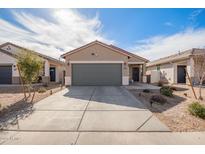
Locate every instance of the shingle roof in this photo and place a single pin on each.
(175, 57)
(131, 54)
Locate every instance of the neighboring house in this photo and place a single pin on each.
(97, 63)
(9, 74)
(172, 69)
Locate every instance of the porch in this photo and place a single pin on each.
(136, 72)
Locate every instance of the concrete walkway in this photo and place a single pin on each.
(143, 86)
(101, 138)
(72, 113)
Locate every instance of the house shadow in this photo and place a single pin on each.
(158, 107)
(102, 95)
(171, 102)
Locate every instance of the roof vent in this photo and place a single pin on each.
(8, 48)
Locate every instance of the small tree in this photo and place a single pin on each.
(199, 69)
(29, 66)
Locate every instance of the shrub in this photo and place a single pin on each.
(167, 91)
(146, 91)
(42, 90)
(157, 99)
(197, 110)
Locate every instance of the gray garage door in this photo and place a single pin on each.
(96, 74)
(5, 74)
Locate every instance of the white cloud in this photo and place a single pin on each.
(169, 24)
(194, 14)
(161, 46)
(69, 29)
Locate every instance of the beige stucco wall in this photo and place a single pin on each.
(168, 71)
(134, 59)
(149, 69)
(59, 70)
(101, 54)
(6, 59)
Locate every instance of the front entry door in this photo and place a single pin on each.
(181, 74)
(52, 74)
(135, 73)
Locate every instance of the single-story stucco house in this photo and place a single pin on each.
(9, 74)
(98, 63)
(172, 69)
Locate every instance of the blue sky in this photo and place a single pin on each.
(152, 33)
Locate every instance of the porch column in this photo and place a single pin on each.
(46, 68)
(46, 77)
(144, 78)
(125, 74)
(67, 78)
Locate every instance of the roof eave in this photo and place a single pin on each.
(39, 54)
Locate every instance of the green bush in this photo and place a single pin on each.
(42, 90)
(197, 110)
(167, 91)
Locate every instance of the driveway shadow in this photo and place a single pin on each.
(155, 107)
(105, 95)
(171, 102)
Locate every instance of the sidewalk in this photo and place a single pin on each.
(99, 138)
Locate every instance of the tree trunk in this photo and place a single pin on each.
(34, 92)
(21, 80)
(29, 90)
(191, 84)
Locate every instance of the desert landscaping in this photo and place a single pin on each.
(174, 113)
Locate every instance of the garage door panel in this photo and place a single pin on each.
(5, 74)
(96, 74)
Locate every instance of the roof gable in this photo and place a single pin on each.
(8, 53)
(8, 50)
(111, 47)
(179, 56)
(91, 44)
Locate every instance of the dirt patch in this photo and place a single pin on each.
(14, 106)
(174, 113)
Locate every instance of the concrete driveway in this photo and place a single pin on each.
(73, 112)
